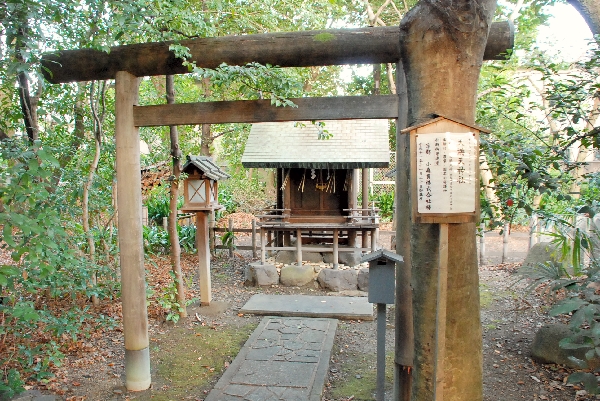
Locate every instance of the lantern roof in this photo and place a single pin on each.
(382, 254)
(206, 165)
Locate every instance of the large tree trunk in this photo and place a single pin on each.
(442, 46)
(590, 11)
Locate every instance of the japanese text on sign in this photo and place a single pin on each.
(446, 172)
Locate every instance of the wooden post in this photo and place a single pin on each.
(203, 258)
(335, 249)
(269, 241)
(232, 243)
(254, 239)
(353, 205)
(482, 244)
(365, 199)
(440, 319)
(404, 329)
(299, 247)
(262, 246)
(373, 240)
(131, 246)
(505, 242)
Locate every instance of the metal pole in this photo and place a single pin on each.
(381, 352)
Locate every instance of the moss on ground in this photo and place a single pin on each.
(486, 296)
(188, 362)
(359, 377)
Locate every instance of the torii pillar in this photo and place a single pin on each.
(131, 246)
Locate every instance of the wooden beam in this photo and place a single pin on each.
(286, 49)
(253, 111)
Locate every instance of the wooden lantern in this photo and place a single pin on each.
(201, 187)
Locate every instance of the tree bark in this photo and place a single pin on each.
(590, 11)
(173, 234)
(206, 140)
(442, 46)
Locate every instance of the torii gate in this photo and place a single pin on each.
(293, 49)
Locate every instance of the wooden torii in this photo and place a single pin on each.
(126, 64)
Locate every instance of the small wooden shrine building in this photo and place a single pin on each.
(317, 182)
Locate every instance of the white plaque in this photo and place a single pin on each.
(446, 172)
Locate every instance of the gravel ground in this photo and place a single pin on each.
(509, 319)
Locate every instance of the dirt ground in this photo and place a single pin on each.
(509, 320)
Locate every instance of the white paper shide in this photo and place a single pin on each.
(446, 172)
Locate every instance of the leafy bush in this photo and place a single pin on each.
(168, 300)
(577, 282)
(159, 203)
(385, 202)
(187, 238)
(45, 243)
(157, 241)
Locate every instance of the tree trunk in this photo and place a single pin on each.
(173, 234)
(590, 11)
(206, 140)
(86, 215)
(583, 151)
(442, 46)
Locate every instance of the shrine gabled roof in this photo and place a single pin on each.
(382, 254)
(437, 117)
(206, 165)
(354, 144)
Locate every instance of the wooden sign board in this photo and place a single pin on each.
(444, 171)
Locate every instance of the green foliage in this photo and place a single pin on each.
(227, 200)
(228, 239)
(159, 203)
(385, 202)
(157, 241)
(580, 301)
(11, 385)
(187, 238)
(168, 301)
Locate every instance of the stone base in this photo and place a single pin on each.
(261, 275)
(338, 280)
(296, 276)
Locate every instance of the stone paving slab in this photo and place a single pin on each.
(286, 358)
(349, 308)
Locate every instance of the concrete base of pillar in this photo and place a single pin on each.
(137, 370)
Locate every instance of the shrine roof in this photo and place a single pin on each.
(354, 144)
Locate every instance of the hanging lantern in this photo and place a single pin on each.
(201, 187)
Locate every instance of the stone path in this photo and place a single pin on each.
(286, 358)
(310, 306)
